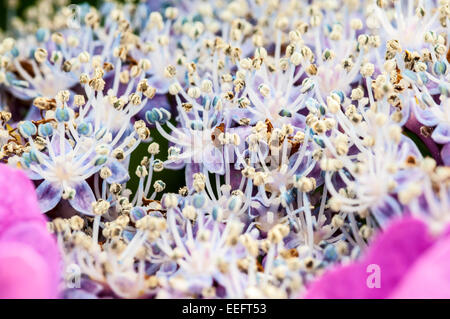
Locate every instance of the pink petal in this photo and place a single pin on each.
(23, 273)
(429, 278)
(29, 257)
(36, 236)
(18, 198)
(393, 251)
(344, 282)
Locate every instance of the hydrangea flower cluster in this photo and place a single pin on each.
(302, 129)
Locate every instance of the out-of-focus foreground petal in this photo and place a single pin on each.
(29, 256)
(429, 278)
(392, 253)
(24, 274)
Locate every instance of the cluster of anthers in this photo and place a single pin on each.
(302, 129)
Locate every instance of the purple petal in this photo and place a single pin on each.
(213, 160)
(425, 116)
(235, 178)
(119, 173)
(33, 115)
(76, 293)
(408, 147)
(263, 148)
(48, 195)
(177, 165)
(154, 5)
(299, 121)
(191, 169)
(238, 114)
(161, 85)
(445, 153)
(441, 134)
(386, 211)
(23, 94)
(302, 166)
(243, 132)
(33, 175)
(83, 199)
(406, 114)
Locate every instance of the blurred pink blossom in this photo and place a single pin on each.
(411, 264)
(29, 257)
